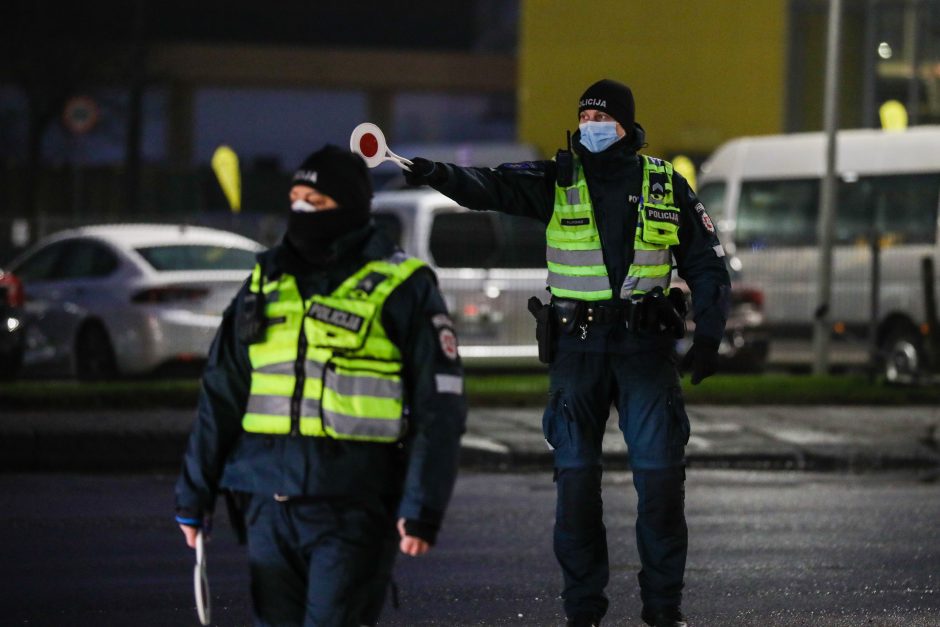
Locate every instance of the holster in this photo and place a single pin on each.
(251, 323)
(544, 328)
(236, 504)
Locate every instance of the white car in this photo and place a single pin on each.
(113, 300)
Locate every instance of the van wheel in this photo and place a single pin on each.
(903, 355)
(94, 357)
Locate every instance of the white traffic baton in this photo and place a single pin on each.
(368, 142)
(201, 582)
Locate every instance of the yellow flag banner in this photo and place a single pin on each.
(225, 166)
(684, 166)
(893, 116)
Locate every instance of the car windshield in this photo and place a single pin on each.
(197, 257)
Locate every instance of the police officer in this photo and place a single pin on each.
(331, 408)
(615, 220)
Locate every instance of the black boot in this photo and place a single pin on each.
(663, 617)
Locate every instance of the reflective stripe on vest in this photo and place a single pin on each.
(347, 383)
(573, 246)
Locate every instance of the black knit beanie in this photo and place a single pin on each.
(612, 98)
(339, 174)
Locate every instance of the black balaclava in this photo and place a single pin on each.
(344, 177)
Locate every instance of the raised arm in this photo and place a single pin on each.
(523, 189)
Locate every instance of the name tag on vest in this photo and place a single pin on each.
(658, 215)
(575, 221)
(336, 317)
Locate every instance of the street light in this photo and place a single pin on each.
(827, 208)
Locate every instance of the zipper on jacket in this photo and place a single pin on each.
(299, 379)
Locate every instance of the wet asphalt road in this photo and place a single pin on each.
(768, 548)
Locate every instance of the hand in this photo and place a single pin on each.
(423, 172)
(411, 545)
(658, 314)
(190, 533)
(702, 359)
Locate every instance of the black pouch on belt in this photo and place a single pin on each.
(569, 314)
(544, 328)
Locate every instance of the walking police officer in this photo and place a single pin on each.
(615, 220)
(331, 408)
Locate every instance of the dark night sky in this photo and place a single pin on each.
(416, 24)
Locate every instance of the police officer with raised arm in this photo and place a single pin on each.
(615, 223)
(331, 408)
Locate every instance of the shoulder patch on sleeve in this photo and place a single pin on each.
(522, 165)
(448, 341)
(442, 320)
(446, 335)
(703, 216)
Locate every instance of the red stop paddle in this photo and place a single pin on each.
(368, 142)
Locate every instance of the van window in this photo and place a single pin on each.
(777, 213)
(901, 208)
(464, 240)
(390, 223)
(712, 196)
(523, 242)
(484, 239)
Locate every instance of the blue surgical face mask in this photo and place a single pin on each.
(598, 136)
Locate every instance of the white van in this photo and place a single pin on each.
(490, 263)
(764, 194)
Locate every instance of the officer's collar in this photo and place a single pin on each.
(367, 242)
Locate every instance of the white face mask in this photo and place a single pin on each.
(302, 206)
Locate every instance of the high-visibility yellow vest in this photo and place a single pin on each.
(575, 259)
(326, 367)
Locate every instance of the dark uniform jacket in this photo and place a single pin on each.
(614, 179)
(421, 470)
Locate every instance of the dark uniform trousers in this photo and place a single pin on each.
(318, 561)
(645, 389)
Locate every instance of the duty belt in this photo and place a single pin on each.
(586, 312)
(608, 314)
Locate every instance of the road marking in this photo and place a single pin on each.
(698, 442)
(716, 427)
(483, 444)
(807, 436)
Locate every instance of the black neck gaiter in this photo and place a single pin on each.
(312, 235)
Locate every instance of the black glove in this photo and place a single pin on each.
(679, 301)
(424, 172)
(702, 359)
(657, 314)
